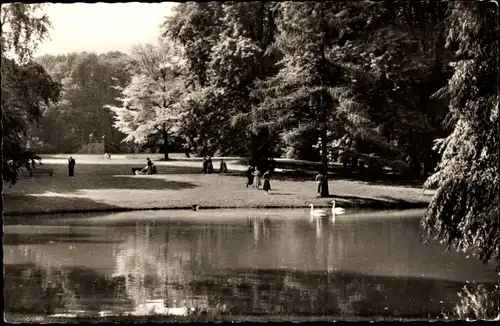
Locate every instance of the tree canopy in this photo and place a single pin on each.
(87, 80)
(148, 104)
(27, 89)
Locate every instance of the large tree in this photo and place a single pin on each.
(26, 87)
(149, 110)
(352, 75)
(225, 47)
(464, 211)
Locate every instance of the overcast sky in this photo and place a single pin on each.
(102, 27)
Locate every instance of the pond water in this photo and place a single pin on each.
(253, 262)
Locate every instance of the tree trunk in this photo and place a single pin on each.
(325, 192)
(165, 143)
(260, 151)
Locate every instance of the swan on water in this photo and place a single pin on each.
(337, 210)
(317, 212)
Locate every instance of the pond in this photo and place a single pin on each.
(233, 262)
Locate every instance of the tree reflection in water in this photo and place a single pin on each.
(262, 267)
(154, 272)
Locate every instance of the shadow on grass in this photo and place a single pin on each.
(17, 207)
(389, 202)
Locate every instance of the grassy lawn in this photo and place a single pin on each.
(109, 185)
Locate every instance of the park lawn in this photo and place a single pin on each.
(109, 187)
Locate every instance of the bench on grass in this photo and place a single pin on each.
(39, 171)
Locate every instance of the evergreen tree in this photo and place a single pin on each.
(464, 211)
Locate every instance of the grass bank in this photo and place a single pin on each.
(101, 185)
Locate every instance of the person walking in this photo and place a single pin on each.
(250, 171)
(319, 183)
(267, 184)
(256, 179)
(71, 166)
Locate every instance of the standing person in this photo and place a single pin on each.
(256, 179)
(319, 183)
(186, 150)
(149, 166)
(205, 164)
(223, 166)
(71, 166)
(250, 171)
(210, 166)
(267, 184)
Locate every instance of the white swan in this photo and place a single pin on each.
(317, 212)
(337, 210)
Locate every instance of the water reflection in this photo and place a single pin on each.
(259, 266)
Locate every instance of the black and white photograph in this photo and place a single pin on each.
(250, 161)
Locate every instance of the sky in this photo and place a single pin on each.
(102, 27)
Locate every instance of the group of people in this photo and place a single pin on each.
(208, 166)
(254, 178)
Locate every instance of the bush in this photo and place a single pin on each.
(477, 302)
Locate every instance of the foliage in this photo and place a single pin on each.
(87, 79)
(27, 89)
(23, 27)
(149, 105)
(372, 81)
(477, 302)
(224, 45)
(464, 211)
(196, 27)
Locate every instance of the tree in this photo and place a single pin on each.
(301, 94)
(464, 211)
(373, 104)
(87, 79)
(225, 47)
(149, 102)
(26, 87)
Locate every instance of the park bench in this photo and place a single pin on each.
(39, 171)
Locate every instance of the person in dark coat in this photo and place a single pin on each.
(186, 150)
(210, 166)
(250, 171)
(205, 164)
(71, 166)
(267, 184)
